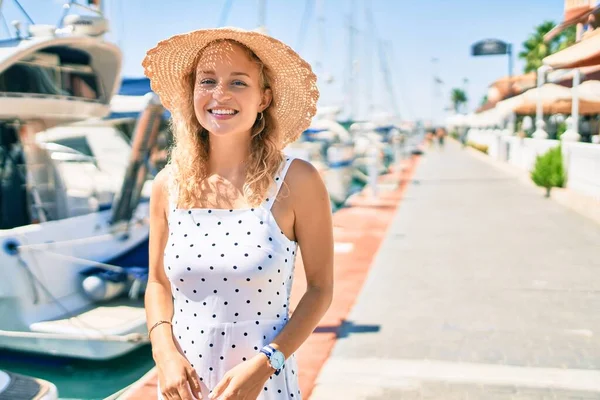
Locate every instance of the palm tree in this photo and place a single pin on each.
(567, 38)
(535, 49)
(458, 97)
(483, 101)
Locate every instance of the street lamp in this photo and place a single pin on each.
(490, 47)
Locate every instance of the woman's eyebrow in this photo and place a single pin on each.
(211, 72)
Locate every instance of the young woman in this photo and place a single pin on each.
(228, 216)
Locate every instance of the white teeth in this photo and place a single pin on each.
(223, 112)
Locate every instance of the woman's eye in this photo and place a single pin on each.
(207, 81)
(238, 83)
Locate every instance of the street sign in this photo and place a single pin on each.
(490, 47)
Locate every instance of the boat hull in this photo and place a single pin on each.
(40, 283)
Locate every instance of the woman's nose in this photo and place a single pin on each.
(221, 92)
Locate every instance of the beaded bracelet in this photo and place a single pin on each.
(157, 324)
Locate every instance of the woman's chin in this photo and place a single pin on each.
(222, 131)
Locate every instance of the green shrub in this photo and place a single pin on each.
(548, 171)
(481, 147)
(560, 129)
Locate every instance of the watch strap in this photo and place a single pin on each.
(269, 351)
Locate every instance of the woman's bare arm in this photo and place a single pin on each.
(314, 234)
(158, 298)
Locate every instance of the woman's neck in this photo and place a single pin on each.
(228, 156)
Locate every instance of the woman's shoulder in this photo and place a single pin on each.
(304, 179)
(300, 169)
(163, 177)
(161, 182)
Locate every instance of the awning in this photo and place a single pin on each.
(563, 106)
(557, 99)
(574, 17)
(582, 54)
(565, 76)
(589, 90)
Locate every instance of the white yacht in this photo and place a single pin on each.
(73, 225)
(328, 146)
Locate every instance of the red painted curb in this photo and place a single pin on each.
(361, 228)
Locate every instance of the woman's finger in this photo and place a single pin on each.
(183, 390)
(194, 382)
(220, 388)
(170, 394)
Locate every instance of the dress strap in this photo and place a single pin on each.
(279, 178)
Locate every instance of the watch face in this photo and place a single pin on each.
(277, 360)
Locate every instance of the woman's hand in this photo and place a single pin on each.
(176, 377)
(245, 381)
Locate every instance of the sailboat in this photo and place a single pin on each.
(326, 143)
(73, 242)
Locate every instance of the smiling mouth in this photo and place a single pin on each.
(222, 111)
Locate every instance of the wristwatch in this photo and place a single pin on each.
(276, 358)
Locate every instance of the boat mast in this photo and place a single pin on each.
(321, 39)
(369, 46)
(384, 51)
(350, 92)
(262, 16)
(225, 13)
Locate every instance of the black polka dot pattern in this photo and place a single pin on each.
(232, 271)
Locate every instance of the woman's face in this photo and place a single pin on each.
(227, 93)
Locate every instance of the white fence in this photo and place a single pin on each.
(582, 160)
(522, 152)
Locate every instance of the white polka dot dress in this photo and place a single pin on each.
(231, 275)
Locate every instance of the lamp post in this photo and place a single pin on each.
(491, 47)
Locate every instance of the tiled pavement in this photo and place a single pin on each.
(482, 289)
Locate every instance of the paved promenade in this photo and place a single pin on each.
(482, 289)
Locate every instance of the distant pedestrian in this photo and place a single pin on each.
(464, 134)
(429, 136)
(440, 135)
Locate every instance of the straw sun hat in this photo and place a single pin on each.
(293, 83)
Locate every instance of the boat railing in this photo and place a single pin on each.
(128, 338)
(144, 141)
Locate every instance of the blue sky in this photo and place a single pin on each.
(415, 32)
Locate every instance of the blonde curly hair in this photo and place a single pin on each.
(188, 161)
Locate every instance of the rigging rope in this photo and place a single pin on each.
(36, 282)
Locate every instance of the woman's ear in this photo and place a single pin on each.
(267, 97)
